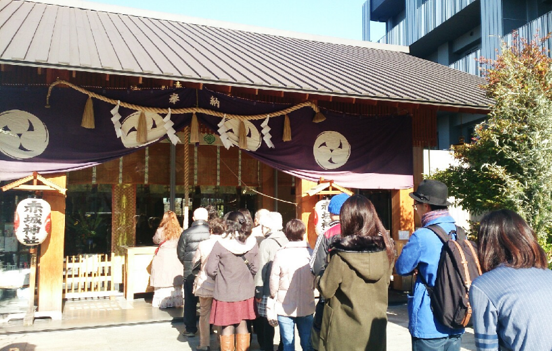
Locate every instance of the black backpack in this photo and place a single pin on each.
(458, 267)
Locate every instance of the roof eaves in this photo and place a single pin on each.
(208, 80)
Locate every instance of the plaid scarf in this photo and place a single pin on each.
(429, 216)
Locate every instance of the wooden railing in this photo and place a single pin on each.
(89, 275)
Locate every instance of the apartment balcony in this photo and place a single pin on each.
(396, 36)
(540, 26)
(469, 64)
(433, 13)
(453, 17)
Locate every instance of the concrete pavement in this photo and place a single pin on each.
(156, 330)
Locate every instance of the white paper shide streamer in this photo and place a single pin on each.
(171, 133)
(116, 119)
(266, 133)
(222, 132)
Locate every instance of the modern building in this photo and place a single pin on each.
(457, 32)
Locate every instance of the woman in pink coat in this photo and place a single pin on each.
(166, 269)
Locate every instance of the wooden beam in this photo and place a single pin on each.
(368, 102)
(449, 108)
(474, 111)
(321, 97)
(344, 99)
(192, 85)
(225, 89)
(264, 92)
(53, 74)
(243, 90)
(389, 103)
(297, 96)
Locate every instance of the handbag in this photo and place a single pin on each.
(271, 314)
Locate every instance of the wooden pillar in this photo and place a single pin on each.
(403, 221)
(418, 158)
(123, 232)
(50, 265)
(403, 216)
(305, 207)
(267, 183)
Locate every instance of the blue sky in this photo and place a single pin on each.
(335, 18)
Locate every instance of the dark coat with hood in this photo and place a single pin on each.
(355, 287)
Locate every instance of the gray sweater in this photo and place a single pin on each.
(267, 251)
(512, 309)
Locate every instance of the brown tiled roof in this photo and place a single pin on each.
(77, 35)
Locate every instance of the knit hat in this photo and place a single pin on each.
(272, 220)
(201, 214)
(336, 202)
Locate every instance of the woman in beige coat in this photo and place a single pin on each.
(166, 269)
(292, 285)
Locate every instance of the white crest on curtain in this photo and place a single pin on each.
(171, 133)
(116, 119)
(222, 132)
(266, 133)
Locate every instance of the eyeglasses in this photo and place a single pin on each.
(414, 206)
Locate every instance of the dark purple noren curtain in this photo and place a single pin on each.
(354, 151)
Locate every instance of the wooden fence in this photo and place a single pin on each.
(87, 276)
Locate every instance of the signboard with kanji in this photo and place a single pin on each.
(32, 221)
(321, 216)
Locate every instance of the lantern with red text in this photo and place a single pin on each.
(321, 216)
(32, 221)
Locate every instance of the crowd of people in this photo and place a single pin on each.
(251, 275)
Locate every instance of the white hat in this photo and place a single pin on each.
(272, 220)
(201, 214)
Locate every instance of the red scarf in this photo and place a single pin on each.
(430, 216)
(158, 247)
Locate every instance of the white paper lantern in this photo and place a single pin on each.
(32, 221)
(321, 216)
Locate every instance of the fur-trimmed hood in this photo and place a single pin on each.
(235, 246)
(364, 254)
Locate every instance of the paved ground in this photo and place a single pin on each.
(137, 326)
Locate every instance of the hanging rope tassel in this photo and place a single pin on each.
(88, 115)
(287, 129)
(242, 141)
(318, 116)
(194, 133)
(142, 129)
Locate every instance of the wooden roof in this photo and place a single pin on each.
(82, 36)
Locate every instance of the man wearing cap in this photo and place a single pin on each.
(319, 262)
(420, 257)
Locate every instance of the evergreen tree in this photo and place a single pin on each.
(508, 163)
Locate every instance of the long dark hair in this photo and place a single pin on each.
(505, 238)
(238, 226)
(358, 217)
